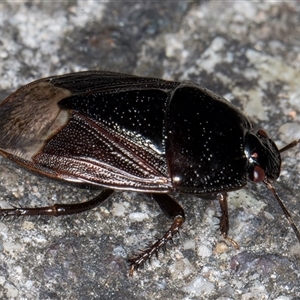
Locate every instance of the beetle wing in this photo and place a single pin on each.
(98, 128)
(89, 82)
(91, 153)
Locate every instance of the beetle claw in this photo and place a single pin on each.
(231, 241)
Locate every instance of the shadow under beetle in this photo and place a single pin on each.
(115, 131)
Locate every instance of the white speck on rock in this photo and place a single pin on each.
(119, 209)
(181, 268)
(199, 286)
(204, 251)
(11, 247)
(189, 244)
(289, 132)
(283, 298)
(12, 291)
(138, 216)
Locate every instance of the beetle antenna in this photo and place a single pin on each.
(286, 213)
(289, 146)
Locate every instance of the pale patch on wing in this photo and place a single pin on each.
(29, 117)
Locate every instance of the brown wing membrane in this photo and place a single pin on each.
(85, 151)
(100, 81)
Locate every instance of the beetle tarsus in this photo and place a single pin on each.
(231, 241)
(139, 260)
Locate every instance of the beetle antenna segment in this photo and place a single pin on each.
(286, 213)
(289, 146)
(138, 261)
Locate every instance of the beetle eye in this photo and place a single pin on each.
(258, 174)
(262, 133)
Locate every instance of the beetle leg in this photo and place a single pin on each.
(58, 209)
(172, 209)
(224, 219)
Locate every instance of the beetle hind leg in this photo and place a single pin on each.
(224, 219)
(57, 209)
(173, 210)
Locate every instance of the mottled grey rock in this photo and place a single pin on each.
(245, 51)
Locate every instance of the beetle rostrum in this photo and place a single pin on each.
(113, 131)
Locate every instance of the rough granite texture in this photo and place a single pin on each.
(245, 51)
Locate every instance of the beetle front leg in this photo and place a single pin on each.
(173, 210)
(57, 209)
(224, 219)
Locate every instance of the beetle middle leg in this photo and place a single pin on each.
(57, 209)
(224, 219)
(174, 210)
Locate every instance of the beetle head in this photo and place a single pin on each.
(263, 156)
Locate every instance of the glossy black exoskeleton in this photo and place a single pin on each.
(115, 131)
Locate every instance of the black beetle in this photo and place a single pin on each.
(113, 131)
